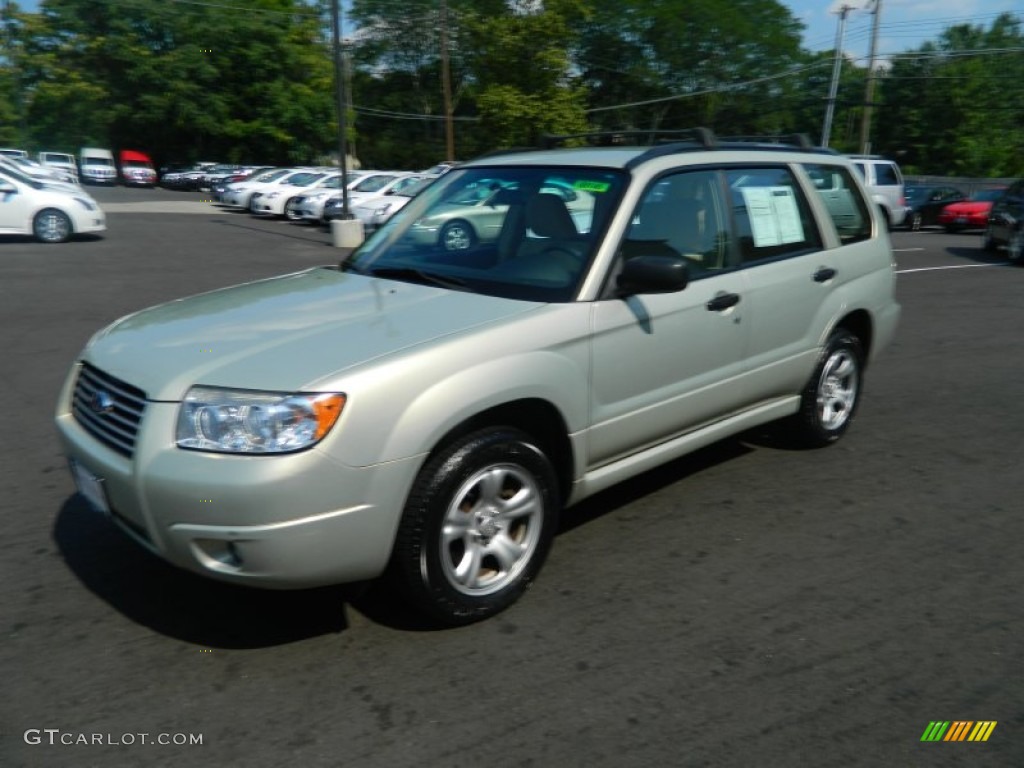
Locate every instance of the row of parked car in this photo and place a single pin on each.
(314, 194)
(93, 165)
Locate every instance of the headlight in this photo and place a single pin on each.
(383, 209)
(272, 195)
(85, 204)
(243, 421)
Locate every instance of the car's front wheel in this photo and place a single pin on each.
(51, 226)
(1015, 246)
(988, 242)
(290, 211)
(477, 526)
(829, 401)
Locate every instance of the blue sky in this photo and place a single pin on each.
(904, 25)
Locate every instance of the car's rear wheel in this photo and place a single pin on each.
(457, 235)
(829, 401)
(915, 221)
(477, 526)
(51, 226)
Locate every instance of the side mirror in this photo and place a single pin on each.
(652, 274)
(7, 188)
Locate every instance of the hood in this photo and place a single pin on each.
(285, 333)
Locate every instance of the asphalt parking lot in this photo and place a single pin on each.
(745, 606)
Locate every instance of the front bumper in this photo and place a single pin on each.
(287, 521)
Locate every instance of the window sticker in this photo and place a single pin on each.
(591, 186)
(774, 215)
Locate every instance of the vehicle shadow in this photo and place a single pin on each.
(978, 255)
(312, 237)
(213, 614)
(182, 605)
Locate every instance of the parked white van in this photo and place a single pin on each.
(60, 161)
(96, 166)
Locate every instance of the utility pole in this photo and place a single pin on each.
(869, 89)
(826, 130)
(446, 85)
(340, 105)
(346, 232)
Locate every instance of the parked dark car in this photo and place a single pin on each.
(925, 203)
(1005, 227)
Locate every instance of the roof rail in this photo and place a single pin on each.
(801, 140)
(633, 136)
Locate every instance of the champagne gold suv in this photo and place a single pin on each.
(429, 407)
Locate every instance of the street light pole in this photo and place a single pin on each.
(346, 232)
(339, 92)
(826, 130)
(869, 90)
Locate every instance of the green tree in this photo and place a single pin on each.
(657, 63)
(184, 81)
(953, 107)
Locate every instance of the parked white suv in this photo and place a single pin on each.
(428, 408)
(884, 181)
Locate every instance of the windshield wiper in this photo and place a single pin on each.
(418, 275)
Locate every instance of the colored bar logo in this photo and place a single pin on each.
(958, 730)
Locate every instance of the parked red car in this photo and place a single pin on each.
(971, 213)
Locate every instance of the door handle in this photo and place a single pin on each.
(824, 274)
(723, 301)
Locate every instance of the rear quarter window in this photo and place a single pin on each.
(843, 200)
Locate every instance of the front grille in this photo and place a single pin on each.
(108, 409)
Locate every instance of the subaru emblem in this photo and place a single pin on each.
(101, 402)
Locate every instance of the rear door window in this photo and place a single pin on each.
(772, 217)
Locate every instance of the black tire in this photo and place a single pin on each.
(1015, 246)
(988, 243)
(915, 221)
(830, 399)
(476, 528)
(51, 226)
(457, 235)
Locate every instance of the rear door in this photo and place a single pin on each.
(788, 275)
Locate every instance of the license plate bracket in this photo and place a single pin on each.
(90, 487)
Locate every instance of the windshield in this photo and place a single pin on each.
(986, 195)
(517, 232)
(303, 179)
(272, 175)
(9, 174)
(373, 183)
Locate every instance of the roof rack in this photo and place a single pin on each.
(672, 141)
(630, 137)
(801, 140)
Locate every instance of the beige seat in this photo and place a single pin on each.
(552, 246)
